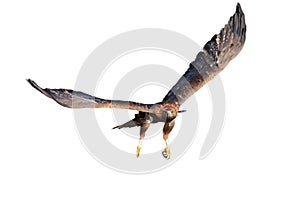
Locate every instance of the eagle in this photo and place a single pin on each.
(214, 57)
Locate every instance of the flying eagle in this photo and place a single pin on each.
(216, 54)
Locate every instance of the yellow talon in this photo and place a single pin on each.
(138, 149)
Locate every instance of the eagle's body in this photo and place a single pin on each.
(216, 54)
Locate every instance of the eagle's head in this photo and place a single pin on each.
(169, 113)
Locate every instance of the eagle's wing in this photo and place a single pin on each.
(75, 99)
(216, 54)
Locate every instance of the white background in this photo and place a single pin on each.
(41, 155)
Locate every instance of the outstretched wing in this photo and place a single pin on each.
(75, 99)
(216, 54)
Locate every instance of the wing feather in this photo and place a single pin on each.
(216, 54)
(76, 99)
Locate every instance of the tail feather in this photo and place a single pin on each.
(128, 124)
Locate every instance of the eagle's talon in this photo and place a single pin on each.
(166, 153)
(138, 149)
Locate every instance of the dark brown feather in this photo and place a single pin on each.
(76, 99)
(216, 54)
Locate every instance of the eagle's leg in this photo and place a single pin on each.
(166, 130)
(144, 126)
